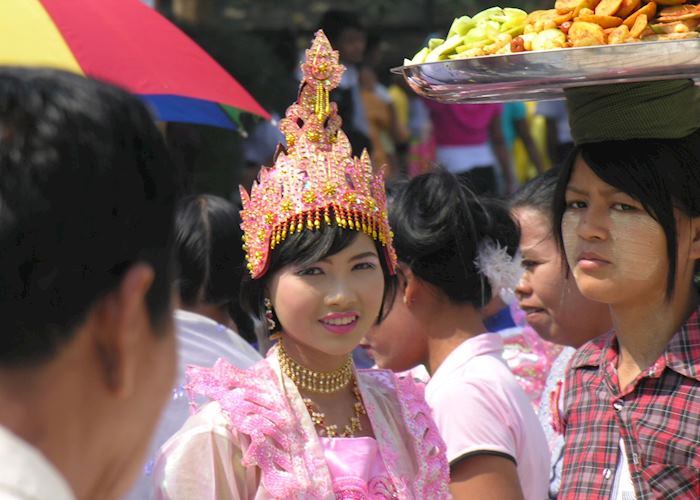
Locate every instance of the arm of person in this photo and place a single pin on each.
(485, 476)
(523, 132)
(202, 461)
(500, 149)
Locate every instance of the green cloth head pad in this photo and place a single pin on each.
(662, 110)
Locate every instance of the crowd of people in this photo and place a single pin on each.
(544, 344)
(407, 135)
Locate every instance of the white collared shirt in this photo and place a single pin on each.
(25, 474)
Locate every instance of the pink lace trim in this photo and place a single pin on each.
(434, 477)
(382, 435)
(256, 407)
(379, 488)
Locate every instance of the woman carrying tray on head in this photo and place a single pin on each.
(627, 214)
(303, 423)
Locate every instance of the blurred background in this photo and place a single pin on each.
(259, 42)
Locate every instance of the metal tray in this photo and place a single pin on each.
(533, 76)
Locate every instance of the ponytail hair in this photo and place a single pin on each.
(439, 226)
(210, 257)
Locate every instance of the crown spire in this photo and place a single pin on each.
(316, 179)
(321, 73)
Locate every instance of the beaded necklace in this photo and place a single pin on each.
(314, 381)
(319, 418)
(324, 383)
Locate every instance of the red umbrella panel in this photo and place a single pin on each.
(127, 43)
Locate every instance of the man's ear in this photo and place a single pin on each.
(119, 321)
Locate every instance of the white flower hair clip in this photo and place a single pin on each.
(502, 270)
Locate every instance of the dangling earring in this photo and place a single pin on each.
(268, 315)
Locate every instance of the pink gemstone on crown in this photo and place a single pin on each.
(316, 180)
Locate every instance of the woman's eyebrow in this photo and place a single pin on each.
(359, 256)
(363, 255)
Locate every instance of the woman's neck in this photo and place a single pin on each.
(311, 358)
(644, 331)
(450, 326)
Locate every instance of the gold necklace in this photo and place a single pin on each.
(311, 380)
(331, 431)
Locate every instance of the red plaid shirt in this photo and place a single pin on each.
(657, 416)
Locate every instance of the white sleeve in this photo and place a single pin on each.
(203, 462)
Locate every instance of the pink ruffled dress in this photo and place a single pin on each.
(256, 440)
(528, 356)
(356, 468)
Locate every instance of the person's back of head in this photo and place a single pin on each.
(87, 196)
(441, 227)
(85, 192)
(211, 257)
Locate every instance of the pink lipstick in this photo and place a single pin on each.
(340, 323)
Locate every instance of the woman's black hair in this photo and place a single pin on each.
(662, 174)
(439, 225)
(210, 256)
(537, 193)
(303, 249)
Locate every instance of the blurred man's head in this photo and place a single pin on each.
(346, 34)
(87, 196)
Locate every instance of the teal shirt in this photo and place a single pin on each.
(512, 112)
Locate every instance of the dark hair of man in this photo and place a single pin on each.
(306, 248)
(86, 191)
(662, 174)
(537, 193)
(210, 256)
(335, 21)
(439, 224)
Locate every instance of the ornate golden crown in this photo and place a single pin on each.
(316, 179)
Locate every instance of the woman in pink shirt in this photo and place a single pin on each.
(495, 444)
(470, 144)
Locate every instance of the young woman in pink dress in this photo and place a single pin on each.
(304, 423)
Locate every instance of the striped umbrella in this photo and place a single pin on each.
(129, 44)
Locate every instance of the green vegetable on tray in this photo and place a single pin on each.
(488, 32)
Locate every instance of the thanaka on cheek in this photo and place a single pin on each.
(631, 244)
(635, 244)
